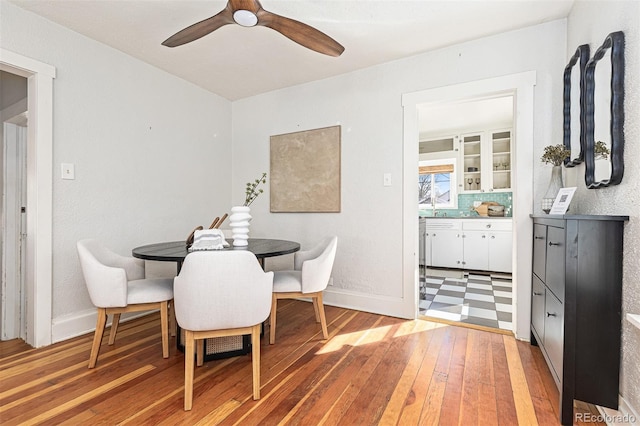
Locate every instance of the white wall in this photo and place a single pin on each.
(367, 104)
(152, 153)
(589, 23)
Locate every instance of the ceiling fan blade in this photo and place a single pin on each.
(200, 29)
(301, 33)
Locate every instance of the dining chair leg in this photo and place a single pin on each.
(272, 321)
(199, 344)
(164, 324)
(316, 311)
(188, 369)
(97, 337)
(172, 319)
(114, 328)
(323, 318)
(255, 360)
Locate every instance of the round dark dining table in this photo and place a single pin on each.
(176, 251)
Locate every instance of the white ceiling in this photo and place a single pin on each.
(237, 62)
(476, 115)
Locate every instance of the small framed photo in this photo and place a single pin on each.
(561, 203)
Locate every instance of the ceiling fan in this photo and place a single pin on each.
(249, 13)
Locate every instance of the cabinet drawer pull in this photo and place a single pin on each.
(538, 238)
(488, 225)
(553, 244)
(484, 236)
(493, 237)
(538, 294)
(549, 314)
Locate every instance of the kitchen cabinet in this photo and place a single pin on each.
(486, 161)
(476, 244)
(446, 248)
(576, 305)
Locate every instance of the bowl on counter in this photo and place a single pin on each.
(495, 210)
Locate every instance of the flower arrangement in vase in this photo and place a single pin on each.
(240, 215)
(554, 154)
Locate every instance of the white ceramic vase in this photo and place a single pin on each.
(239, 222)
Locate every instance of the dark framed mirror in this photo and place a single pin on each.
(604, 101)
(574, 106)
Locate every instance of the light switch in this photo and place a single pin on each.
(68, 171)
(387, 179)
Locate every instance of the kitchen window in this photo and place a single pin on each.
(437, 184)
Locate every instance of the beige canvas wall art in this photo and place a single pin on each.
(305, 171)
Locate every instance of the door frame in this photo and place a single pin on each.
(38, 271)
(521, 86)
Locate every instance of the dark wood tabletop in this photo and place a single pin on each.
(176, 251)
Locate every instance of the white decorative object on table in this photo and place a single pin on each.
(239, 222)
(208, 239)
(240, 215)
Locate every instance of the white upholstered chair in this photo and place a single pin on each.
(116, 285)
(217, 294)
(311, 274)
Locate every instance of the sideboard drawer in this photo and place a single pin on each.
(554, 274)
(553, 333)
(539, 250)
(537, 306)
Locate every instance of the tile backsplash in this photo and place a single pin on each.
(465, 204)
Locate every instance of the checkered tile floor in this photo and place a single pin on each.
(474, 299)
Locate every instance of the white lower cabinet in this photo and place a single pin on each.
(477, 244)
(446, 248)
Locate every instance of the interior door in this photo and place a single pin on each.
(13, 229)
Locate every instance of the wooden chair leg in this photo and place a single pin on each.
(173, 326)
(272, 322)
(114, 328)
(164, 324)
(323, 319)
(315, 308)
(255, 360)
(188, 369)
(97, 337)
(200, 351)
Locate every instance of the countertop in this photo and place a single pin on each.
(466, 217)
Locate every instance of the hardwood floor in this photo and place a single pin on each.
(373, 370)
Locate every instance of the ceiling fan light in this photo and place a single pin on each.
(245, 18)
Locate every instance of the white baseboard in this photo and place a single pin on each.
(80, 323)
(382, 305)
(625, 415)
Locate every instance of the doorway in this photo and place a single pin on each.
(521, 87)
(39, 165)
(13, 141)
(476, 292)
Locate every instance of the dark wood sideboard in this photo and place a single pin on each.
(576, 305)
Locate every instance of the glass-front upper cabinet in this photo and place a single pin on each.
(472, 150)
(501, 159)
(486, 161)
